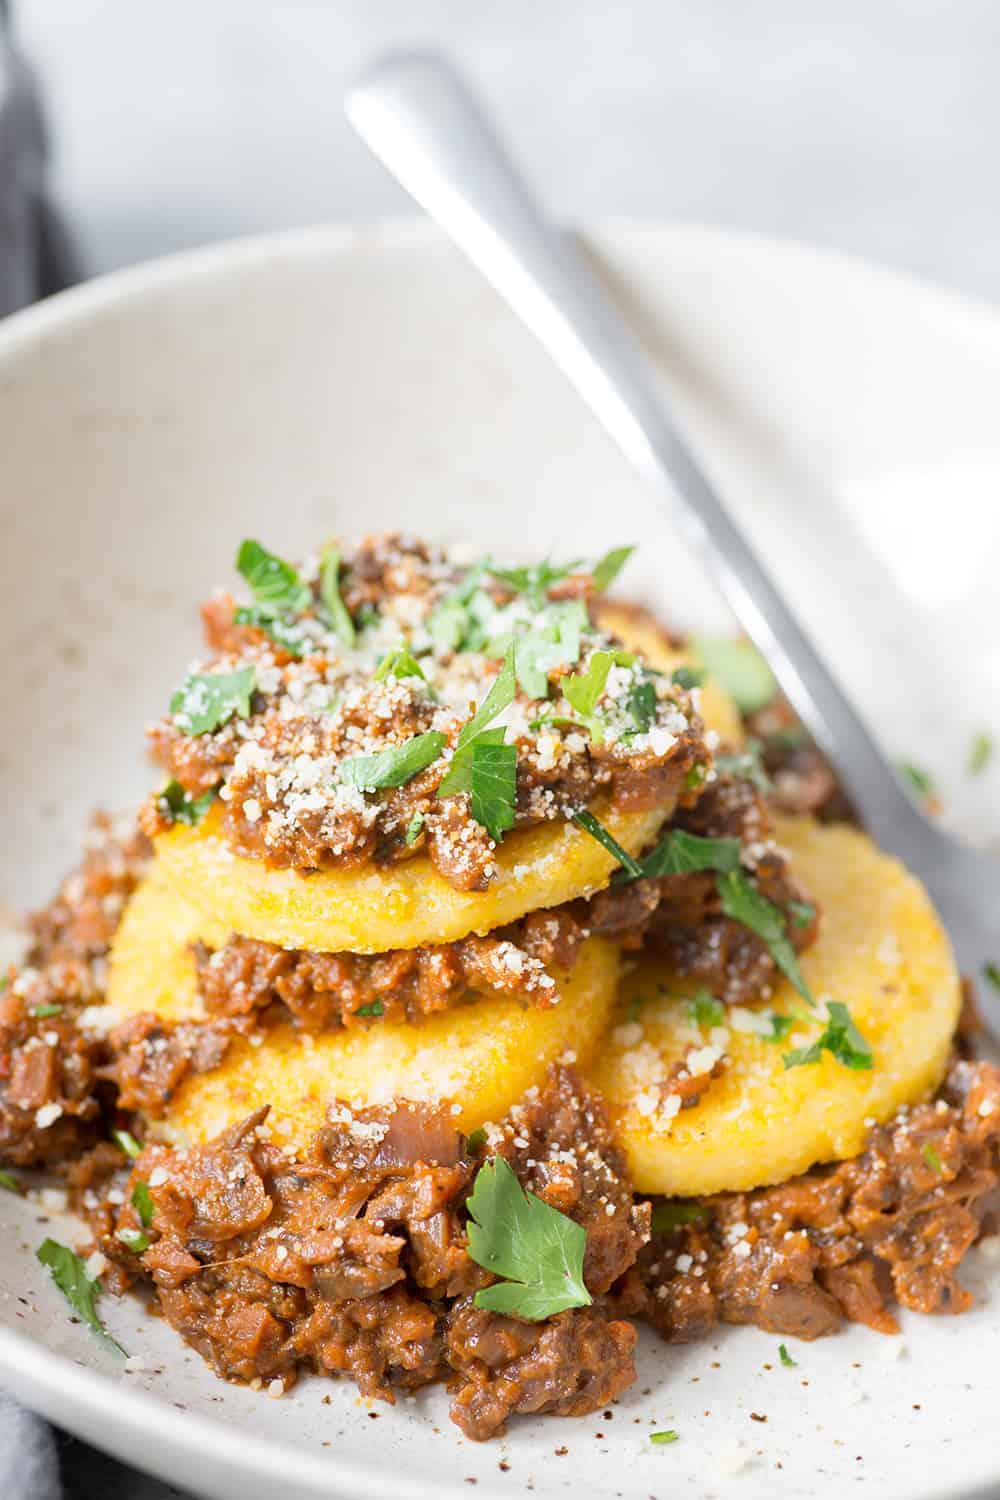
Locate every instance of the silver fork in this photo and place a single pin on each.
(421, 120)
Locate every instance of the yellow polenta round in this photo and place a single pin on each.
(881, 950)
(481, 1057)
(372, 910)
(150, 966)
(641, 633)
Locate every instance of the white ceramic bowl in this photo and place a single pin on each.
(356, 379)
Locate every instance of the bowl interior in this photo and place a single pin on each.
(351, 381)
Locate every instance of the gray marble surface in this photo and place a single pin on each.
(869, 125)
(865, 125)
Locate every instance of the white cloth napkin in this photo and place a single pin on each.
(29, 1468)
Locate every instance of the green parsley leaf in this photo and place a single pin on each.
(518, 1236)
(583, 689)
(42, 1012)
(740, 669)
(447, 624)
(275, 583)
(785, 1357)
(668, 1435)
(695, 776)
(704, 1010)
(373, 1008)
(606, 569)
(589, 824)
(641, 704)
(142, 1202)
(127, 1142)
(395, 766)
(398, 664)
(499, 697)
(920, 782)
(680, 852)
(176, 806)
(414, 829)
(207, 700)
(745, 904)
(931, 1157)
(747, 766)
(10, 1183)
(458, 777)
(991, 972)
(134, 1240)
(841, 1039)
(687, 677)
(980, 753)
(70, 1275)
(792, 737)
(493, 789)
(801, 912)
(284, 630)
(674, 1213)
(329, 592)
(533, 580)
(780, 1027)
(476, 1142)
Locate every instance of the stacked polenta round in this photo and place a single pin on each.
(625, 1019)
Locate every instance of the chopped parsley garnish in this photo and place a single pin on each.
(9, 1183)
(534, 579)
(991, 972)
(517, 1235)
(284, 630)
(785, 1357)
(801, 912)
(392, 767)
(176, 806)
(920, 782)
(70, 1275)
(931, 1157)
(680, 852)
(747, 766)
(980, 753)
(780, 1027)
(399, 663)
(553, 640)
(134, 1240)
(668, 1435)
(275, 583)
(329, 592)
(606, 569)
(476, 1142)
(373, 1008)
(744, 904)
(704, 1010)
(675, 1213)
(414, 829)
(583, 689)
(641, 704)
(792, 737)
(42, 1012)
(482, 764)
(687, 677)
(493, 789)
(127, 1142)
(589, 824)
(740, 670)
(841, 1039)
(142, 1202)
(207, 700)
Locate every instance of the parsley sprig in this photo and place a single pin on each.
(70, 1275)
(276, 585)
(482, 764)
(841, 1038)
(176, 806)
(742, 901)
(535, 1248)
(392, 767)
(329, 592)
(207, 700)
(740, 669)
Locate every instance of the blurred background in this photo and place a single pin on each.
(865, 125)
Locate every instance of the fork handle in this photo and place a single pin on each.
(421, 120)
